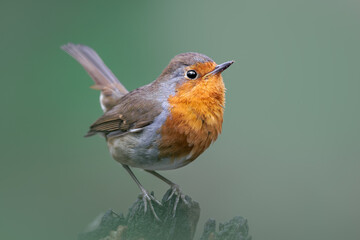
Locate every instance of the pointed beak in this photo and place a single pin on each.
(220, 68)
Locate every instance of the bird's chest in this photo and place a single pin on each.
(192, 125)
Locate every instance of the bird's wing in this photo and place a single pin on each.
(132, 114)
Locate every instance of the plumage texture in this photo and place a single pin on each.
(134, 111)
(182, 60)
(105, 81)
(196, 115)
(165, 124)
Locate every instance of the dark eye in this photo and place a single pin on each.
(191, 74)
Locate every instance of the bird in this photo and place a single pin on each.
(163, 125)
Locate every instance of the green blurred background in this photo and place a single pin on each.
(288, 158)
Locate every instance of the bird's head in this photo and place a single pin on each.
(192, 69)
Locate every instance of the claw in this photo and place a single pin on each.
(179, 194)
(147, 198)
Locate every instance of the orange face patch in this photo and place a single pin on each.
(196, 115)
(202, 68)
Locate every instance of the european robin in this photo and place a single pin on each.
(163, 125)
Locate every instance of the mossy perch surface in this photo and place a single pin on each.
(138, 225)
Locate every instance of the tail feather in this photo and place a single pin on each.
(104, 79)
(93, 64)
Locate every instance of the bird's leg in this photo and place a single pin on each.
(174, 187)
(146, 197)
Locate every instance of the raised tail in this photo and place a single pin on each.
(111, 88)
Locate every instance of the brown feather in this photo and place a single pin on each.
(95, 67)
(105, 81)
(134, 111)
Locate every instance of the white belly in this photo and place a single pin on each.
(129, 150)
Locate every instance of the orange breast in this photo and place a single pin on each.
(195, 119)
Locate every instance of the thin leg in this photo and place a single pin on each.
(161, 177)
(145, 195)
(175, 189)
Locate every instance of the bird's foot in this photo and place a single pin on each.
(147, 198)
(179, 195)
